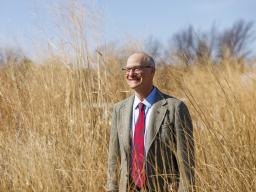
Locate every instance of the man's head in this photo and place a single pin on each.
(140, 70)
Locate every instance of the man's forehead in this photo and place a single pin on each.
(137, 59)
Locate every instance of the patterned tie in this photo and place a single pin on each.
(138, 170)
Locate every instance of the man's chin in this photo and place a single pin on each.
(134, 85)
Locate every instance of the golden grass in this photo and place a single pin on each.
(55, 120)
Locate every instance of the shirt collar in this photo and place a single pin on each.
(148, 101)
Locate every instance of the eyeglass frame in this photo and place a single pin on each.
(138, 68)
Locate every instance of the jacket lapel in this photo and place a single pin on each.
(157, 115)
(126, 116)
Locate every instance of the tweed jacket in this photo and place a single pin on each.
(169, 146)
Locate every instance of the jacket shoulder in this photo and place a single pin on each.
(173, 101)
(170, 98)
(122, 103)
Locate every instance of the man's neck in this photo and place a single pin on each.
(143, 94)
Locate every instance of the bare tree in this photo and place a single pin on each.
(184, 42)
(11, 56)
(203, 51)
(235, 41)
(191, 46)
(153, 46)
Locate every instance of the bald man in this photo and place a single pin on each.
(151, 145)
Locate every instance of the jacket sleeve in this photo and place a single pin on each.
(185, 148)
(113, 155)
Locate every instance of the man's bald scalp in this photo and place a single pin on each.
(142, 58)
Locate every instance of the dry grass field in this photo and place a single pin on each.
(55, 121)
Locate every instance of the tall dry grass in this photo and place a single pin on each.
(55, 120)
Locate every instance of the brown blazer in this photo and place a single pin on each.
(169, 146)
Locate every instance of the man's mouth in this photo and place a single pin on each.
(134, 79)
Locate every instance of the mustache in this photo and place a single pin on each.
(136, 78)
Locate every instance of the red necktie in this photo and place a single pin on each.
(138, 170)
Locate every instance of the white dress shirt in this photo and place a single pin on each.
(148, 102)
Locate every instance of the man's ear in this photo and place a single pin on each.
(153, 70)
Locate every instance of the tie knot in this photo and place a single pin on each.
(141, 106)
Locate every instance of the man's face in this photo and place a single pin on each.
(139, 75)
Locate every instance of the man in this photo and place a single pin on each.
(151, 144)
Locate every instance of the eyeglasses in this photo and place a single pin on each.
(136, 69)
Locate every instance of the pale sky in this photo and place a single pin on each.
(29, 22)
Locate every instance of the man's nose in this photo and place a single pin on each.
(130, 72)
